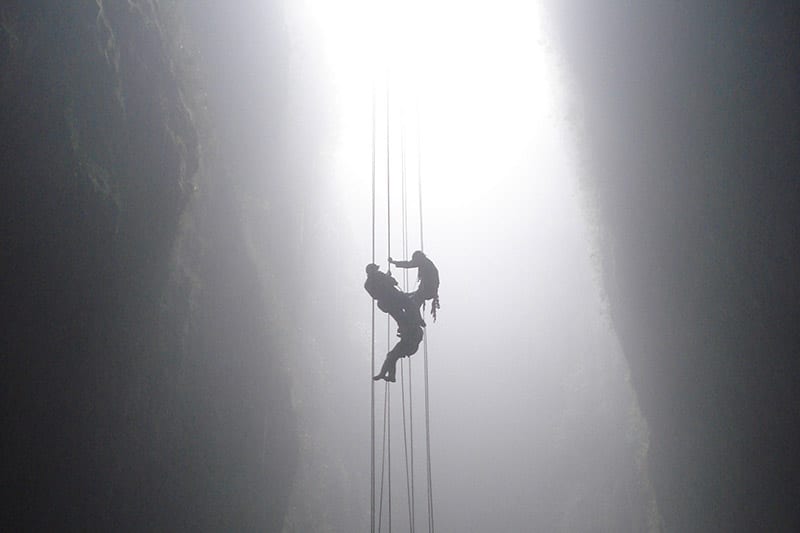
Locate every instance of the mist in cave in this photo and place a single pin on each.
(191, 192)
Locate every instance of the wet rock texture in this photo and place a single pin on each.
(689, 120)
(131, 399)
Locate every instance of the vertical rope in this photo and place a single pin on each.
(409, 474)
(411, 439)
(404, 197)
(405, 443)
(425, 339)
(383, 455)
(389, 450)
(419, 180)
(372, 346)
(404, 211)
(428, 438)
(387, 436)
(388, 181)
(388, 269)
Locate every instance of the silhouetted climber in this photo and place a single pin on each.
(428, 276)
(410, 337)
(400, 306)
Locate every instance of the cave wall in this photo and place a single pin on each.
(132, 398)
(688, 119)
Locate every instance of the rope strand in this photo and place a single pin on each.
(389, 450)
(372, 346)
(383, 454)
(425, 339)
(419, 180)
(388, 181)
(405, 442)
(388, 269)
(428, 439)
(411, 439)
(404, 196)
(409, 475)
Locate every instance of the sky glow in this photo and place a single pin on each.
(478, 75)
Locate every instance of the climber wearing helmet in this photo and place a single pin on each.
(383, 288)
(428, 276)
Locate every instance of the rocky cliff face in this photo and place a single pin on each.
(689, 122)
(131, 399)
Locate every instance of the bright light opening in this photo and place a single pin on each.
(477, 74)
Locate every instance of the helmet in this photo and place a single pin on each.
(372, 267)
(418, 255)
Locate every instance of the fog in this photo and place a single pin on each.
(191, 191)
(533, 424)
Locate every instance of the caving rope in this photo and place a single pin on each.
(408, 436)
